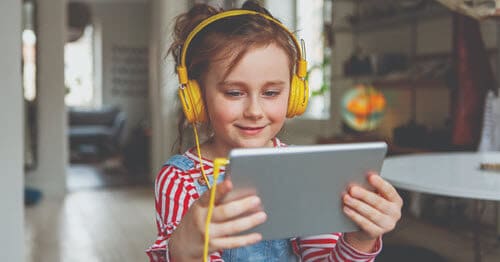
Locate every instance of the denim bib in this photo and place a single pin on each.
(266, 250)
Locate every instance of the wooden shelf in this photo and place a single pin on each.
(407, 83)
(392, 148)
(383, 83)
(392, 21)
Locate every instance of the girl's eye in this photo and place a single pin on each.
(234, 93)
(271, 93)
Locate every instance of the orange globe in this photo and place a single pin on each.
(363, 108)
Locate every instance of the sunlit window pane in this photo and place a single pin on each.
(29, 64)
(78, 71)
(310, 23)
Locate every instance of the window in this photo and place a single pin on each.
(29, 51)
(78, 71)
(312, 16)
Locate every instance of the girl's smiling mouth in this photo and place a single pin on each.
(250, 130)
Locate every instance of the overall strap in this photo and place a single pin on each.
(181, 162)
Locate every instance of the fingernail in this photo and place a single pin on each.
(258, 237)
(262, 216)
(347, 210)
(348, 199)
(255, 200)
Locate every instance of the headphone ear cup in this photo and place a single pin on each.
(192, 102)
(292, 98)
(304, 97)
(299, 97)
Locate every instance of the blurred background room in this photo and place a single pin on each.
(88, 98)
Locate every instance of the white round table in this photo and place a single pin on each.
(455, 174)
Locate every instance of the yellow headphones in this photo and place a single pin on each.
(189, 90)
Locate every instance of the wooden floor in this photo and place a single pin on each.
(118, 225)
(89, 176)
(100, 225)
(455, 244)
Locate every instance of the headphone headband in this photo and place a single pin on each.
(181, 68)
(190, 93)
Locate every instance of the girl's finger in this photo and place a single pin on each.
(234, 241)
(368, 212)
(238, 225)
(366, 225)
(222, 190)
(230, 210)
(374, 200)
(385, 188)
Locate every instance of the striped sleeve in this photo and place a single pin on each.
(174, 194)
(331, 247)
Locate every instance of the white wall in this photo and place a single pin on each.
(284, 12)
(123, 36)
(11, 138)
(163, 81)
(50, 173)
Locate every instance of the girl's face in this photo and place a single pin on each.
(248, 107)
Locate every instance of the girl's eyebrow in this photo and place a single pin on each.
(275, 83)
(241, 83)
(231, 83)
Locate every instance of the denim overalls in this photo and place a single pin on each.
(267, 250)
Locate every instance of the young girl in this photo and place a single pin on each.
(246, 68)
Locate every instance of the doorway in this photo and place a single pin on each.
(106, 78)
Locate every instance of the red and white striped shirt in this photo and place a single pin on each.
(175, 192)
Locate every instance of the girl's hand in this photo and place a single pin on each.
(376, 213)
(229, 218)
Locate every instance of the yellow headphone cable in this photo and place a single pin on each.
(218, 162)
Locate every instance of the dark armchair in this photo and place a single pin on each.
(102, 128)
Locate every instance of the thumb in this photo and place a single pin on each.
(222, 190)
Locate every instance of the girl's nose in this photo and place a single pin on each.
(253, 109)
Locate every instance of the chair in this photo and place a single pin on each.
(102, 128)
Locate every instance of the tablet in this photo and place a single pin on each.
(301, 186)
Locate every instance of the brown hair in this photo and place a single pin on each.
(227, 38)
